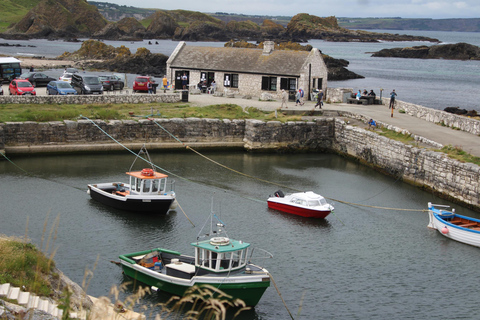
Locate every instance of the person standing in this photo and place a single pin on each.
(284, 99)
(393, 94)
(184, 81)
(149, 87)
(165, 82)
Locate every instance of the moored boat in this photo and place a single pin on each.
(219, 261)
(454, 226)
(147, 191)
(306, 204)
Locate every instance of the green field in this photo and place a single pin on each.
(12, 11)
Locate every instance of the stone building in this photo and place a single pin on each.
(245, 71)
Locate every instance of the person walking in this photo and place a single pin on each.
(284, 99)
(393, 94)
(297, 98)
(165, 82)
(319, 100)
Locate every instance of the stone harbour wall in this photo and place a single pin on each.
(93, 98)
(438, 116)
(425, 168)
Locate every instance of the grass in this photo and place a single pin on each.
(22, 264)
(60, 112)
(458, 154)
(398, 136)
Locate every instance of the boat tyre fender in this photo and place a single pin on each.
(279, 194)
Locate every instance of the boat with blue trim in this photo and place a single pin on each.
(454, 226)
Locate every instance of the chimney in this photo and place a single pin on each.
(268, 47)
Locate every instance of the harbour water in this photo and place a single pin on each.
(432, 83)
(359, 263)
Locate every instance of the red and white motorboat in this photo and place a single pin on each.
(306, 204)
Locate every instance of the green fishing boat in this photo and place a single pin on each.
(219, 261)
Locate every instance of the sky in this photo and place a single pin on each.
(440, 9)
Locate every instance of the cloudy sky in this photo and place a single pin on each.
(436, 9)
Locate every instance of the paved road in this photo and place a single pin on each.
(446, 136)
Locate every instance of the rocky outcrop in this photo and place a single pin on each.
(59, 18)
(125, 29)
(458, 51)
(306, 26)
(163, 25)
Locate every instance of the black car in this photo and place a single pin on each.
(111, 82)
(86, 84)
(37, 79)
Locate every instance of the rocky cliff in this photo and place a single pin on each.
(458, 51)
(59, 19)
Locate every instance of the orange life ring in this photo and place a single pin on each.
(147, 172)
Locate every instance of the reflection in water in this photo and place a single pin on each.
(359, 263)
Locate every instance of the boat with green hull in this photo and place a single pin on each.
(219, 261)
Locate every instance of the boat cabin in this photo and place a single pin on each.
(148, 181)
(221, 254)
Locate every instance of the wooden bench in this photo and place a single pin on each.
(468, 225)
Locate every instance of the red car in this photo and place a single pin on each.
(20, 87)
(140, 83)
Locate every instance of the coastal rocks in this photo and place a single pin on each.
(308, 26)
(125, 29)
(464, 112)
(60, 18)
(458, 51)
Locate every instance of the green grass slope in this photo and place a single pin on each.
(12, 11)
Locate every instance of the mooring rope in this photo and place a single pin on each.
(274, 183)
(280, 295)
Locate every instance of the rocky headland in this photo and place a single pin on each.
(70, 19)
(458, 51)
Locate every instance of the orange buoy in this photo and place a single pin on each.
(147, 172)
(445, 230)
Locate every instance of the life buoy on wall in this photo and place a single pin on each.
(147, 172)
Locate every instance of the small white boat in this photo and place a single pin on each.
(148, 191)
(454, 226)
(306, 204)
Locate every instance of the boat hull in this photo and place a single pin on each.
(143, 205)
(299, 211)
(248, 291)
(452, 231)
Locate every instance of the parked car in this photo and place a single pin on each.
(67, 77)
(111, 82)
(60, 87)
(21, 87)
(140, 83)
(86, 84)
(37, 79)
(71, 70)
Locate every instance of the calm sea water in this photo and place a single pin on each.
(359, 263)
(432, 83)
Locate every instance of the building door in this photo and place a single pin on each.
(179, 74)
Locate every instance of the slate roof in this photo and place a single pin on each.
(240, 60)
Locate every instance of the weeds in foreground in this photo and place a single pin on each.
(205, 302)
(457, 153)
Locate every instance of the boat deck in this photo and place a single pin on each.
(465, 223)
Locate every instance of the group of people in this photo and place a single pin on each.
(299, 95)
(365, 94)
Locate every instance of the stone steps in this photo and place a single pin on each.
(29, 300)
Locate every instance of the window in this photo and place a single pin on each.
(230, 80)
(269, 83)
(288, 84)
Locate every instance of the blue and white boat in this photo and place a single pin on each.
(454, 226)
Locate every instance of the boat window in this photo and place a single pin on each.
(294, 200)
(155, 185)
(323, 201)
(301, 202)
(146, 185)
(138, 185)
(313, 203)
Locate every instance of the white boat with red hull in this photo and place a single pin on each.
(306, 204)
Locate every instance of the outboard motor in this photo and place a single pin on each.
(279, 194)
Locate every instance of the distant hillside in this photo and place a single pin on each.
(114, 12)
(258, 19)
(12, 11)
(461, 25)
